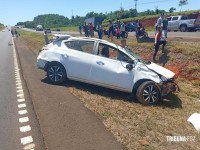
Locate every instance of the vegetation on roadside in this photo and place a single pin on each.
(1, 26)
(59, 21)
(145, 127)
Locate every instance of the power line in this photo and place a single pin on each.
(136, 4)
(152, 2)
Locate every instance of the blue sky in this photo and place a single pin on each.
(13, 11)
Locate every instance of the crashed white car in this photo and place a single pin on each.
(105, 64)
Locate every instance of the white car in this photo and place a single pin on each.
(105, 64)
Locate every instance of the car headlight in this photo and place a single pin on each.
(163, 78)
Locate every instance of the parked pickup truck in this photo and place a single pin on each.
(183, 24)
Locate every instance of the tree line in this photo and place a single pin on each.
(55, 20)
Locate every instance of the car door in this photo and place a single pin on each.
(175, 23)
(169, 23)
(78, 59)
(110, 72)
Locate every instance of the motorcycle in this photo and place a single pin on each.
(140, 32)
(114, 34)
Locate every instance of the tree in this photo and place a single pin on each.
(182, 3)
(172, 9)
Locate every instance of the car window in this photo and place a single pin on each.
(87, 46)
(111, 52)
(183, 18)
(84, 46)
(169, 18)
(175, 18)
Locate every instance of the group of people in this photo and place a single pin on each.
(14, 33)
(161, 34)
(120, 30)
(88, 29)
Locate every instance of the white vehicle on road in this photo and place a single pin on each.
(105, 64)
(182, 23)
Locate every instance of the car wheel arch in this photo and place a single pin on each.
(137, 84)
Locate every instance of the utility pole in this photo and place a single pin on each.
(135, 4)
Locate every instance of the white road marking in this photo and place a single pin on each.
(25, 128)
(21, 100)
(19, 91)
(23, 120)
(22, 112)
(18, 84)
(20, 95)
(26, 140)
(19, 87)
(21, 105)
(29, 147)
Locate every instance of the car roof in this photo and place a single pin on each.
(92, 39)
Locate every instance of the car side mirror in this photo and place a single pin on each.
(129, 67)
(130, 61)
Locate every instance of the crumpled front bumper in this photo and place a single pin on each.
(168, 87)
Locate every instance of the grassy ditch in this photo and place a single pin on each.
(146, 127)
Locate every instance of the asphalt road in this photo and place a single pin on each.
(19, 128)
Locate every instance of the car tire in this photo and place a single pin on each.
(183, 28)
(56, 73)
(148, 93)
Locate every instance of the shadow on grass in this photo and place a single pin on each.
(164, 58)
(106, 92)
(172, 101)
(145, 40)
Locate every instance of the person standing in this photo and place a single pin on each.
(160, 39)
(91, 28)
(80, 29)
(99, 30)
(159, 21)
(123, 43)
(111, 30)
(165, 25)
(123, 30)
(118, 32)
(46, 40)
(85, 29)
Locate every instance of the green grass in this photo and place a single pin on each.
(154, 16)
(1, 28)
(68, 28)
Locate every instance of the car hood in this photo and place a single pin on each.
(161, 70)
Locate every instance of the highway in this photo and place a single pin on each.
(19, 128)
(194, 35)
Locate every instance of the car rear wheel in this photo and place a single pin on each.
(183, 28)
(148, 93)
(56, 73)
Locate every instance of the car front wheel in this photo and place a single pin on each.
(56, 73)
(148, 93)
